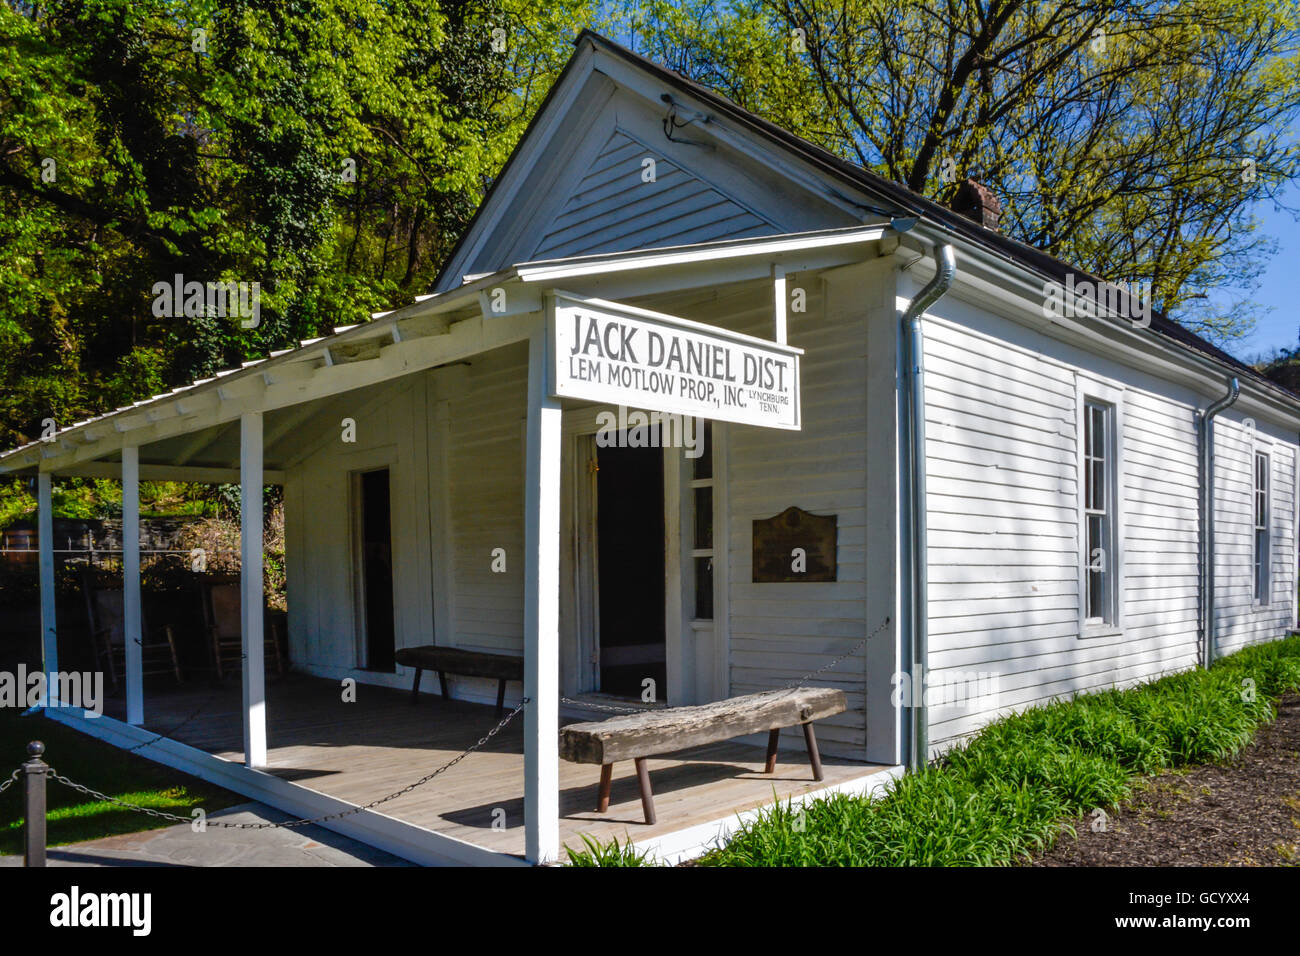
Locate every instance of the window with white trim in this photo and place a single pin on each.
(702, 526)
(1261, 528)
(1099, 513)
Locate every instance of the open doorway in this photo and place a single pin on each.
(375, 571)
(630, 549)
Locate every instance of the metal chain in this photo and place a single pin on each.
(171, 730)
(13, 779)
(501, 725)
(608, 707)
(843, 657)
(794, 683)
(289, 824)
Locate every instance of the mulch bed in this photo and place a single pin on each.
(1244, 812)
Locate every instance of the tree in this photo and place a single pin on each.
(329, 151)
(1131, 138)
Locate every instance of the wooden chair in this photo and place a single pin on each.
(104, 615)
(221, 604)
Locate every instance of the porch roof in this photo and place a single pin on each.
(437, 329)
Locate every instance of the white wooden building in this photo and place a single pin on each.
(1032, 483)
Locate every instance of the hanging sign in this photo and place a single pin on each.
(620, 355)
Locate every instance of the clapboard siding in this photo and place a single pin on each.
(485, 462)
(1239, 618)
(614, 208)
(1003, 504)
(779, 632)
(484, 457)
(389, 421)
(1161, 533)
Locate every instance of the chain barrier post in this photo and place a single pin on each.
(34, 770)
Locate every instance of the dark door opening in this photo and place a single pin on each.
(630, 543)
(377, 571)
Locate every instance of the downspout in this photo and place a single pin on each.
(914, 528)
(1205, 479)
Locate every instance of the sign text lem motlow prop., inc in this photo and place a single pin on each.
(606, 352)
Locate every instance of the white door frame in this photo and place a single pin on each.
(355, 464)
(581, 562)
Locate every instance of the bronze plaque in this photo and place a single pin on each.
(779, 539)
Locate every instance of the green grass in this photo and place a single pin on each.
(610, 854)
(1024, 779)
(72, 817)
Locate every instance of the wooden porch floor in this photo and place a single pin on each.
(365, 750)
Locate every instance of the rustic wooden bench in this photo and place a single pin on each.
(454, 660)
(650, 733)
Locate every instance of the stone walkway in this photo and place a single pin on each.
(181, 846)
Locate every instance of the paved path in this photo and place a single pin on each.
(181, 846)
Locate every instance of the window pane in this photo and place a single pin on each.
(703, 466)
(703, 518)
(704, 589)
(1097, 563)
(1099, 593)
(1261, 564)
(1088, 431)
(1261, 491)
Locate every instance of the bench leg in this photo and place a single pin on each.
(814, 757)
(442, 683)
(647, 797)
(606, 778)
(773, 736)
(415, 686)
(501, 696)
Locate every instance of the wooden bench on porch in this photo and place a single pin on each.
(638, 736)
(454, 660)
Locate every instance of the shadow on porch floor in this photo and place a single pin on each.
(365, 750)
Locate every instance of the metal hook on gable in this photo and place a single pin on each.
(672, 123)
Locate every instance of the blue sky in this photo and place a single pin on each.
(1280, 288)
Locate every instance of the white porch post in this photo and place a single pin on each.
(132, 631)
(541, 610)
(250, 591)
(778, 305)
(45, 542)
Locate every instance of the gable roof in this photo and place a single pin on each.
(898, 199)
(679, 208)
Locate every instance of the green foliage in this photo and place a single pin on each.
(133, 149)
(17, 502)
(1006, 794)
(1132, 139)
(95, 498)
(610, 854)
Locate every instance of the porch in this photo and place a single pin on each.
(359, 752)
(484, 451)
